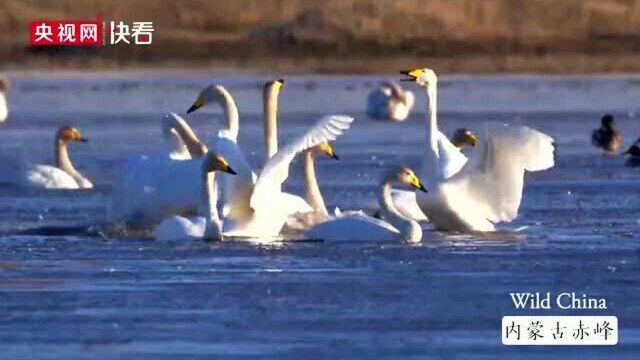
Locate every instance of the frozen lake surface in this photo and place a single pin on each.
(68, 297)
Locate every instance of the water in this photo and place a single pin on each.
(86, 297)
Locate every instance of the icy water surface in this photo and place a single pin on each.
(68, 297)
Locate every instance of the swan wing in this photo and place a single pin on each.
(276, 170)
(353, 228)
(490, 185)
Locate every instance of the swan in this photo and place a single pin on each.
(236, 190)
(158, 188)
(313, 196)
(4, 109)
(62, 176)
(269, 207)
(405, 201)
(208, 225)
(607, 137)
(136, 199)
(366, 228)
(488, 188)
(390, 102)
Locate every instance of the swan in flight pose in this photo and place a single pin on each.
(607, 138)
(405, 200)
(365, 228)
(62, 176)
(269, 207)
(390, 102)
(4, 109)
(208, 225)
(488, 188)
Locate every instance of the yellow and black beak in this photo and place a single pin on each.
(229, 170)
(332, 154)
(411, 75)
(327, 149)
(77, 136)
(196, 105)
(415, 182)
(473, 139)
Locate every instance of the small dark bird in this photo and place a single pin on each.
(633, 154)
(607, 137)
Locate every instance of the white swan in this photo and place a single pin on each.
(208, 225)
(406, 202)
(235, 190)
(488, 188)
(390, 102)
(313, 196)
(365, 228)
(137, 198)
(158, 188)
(269, 207)
(4, 108)
(62, 176)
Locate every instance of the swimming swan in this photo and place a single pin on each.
(313, 196)
(62, 176)
(4, 109)
(390, 102)
(269, 207)
(208, 225)
(365, 228)
(488, 188)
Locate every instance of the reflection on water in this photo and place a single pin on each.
(69, 291)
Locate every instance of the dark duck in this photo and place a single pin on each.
(607, 137)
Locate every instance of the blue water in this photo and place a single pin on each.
(68, 297)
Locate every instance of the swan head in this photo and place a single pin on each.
(463, 137)
(276, 85)
(423, 77)
(326, 149)
(212, 94)
(408, 177)
(215, 162)
(68, 133)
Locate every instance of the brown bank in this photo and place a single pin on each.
(475, 36)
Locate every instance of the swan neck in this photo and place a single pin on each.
(231, 115)
(270, 113)
(312, 189)
(210, 212)
(432, 110)
(389, 211)
(194, 146)
(64, 162)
